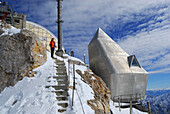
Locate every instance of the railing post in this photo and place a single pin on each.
(119, 103)
(84, 58)
(69, 70)
(130, 106)
(149, 108)
(73, 85)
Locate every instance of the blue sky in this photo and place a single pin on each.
(140, 27)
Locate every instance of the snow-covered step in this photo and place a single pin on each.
(62, 98)
(60, 63)
(60, 87)
(63, 82)
(56, 77)
(64, 105)
(50, 78)
(61, 110)
(60, 77)
(63, 73)
(62, 102)
(48, 86)
(60, 66)
(52, 81)
(59, 60)
(58, 93)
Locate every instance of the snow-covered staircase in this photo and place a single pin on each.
(61, 89)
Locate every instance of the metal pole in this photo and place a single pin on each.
(149, 108)
(69, 70)
(74, 76)
(84, 58)
(73, 84)
(59, 21)
(130, 106)
(12, 15)
(119, 104)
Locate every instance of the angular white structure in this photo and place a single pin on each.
(122, 73)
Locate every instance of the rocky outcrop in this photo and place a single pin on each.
(19, 54)
(5, 25)
(101, 93)
(1, 31)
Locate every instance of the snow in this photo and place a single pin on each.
(123, 111)
(83, 91)
(40, 55)
(29, 96)
(11, 31)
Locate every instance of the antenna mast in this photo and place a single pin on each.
(59, 52)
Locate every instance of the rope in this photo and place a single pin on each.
(80, 102)
(77, 92)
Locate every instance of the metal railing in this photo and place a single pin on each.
(74, 86)
(129, 97)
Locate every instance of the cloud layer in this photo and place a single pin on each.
(140, 27)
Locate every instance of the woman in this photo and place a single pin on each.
(52, 44)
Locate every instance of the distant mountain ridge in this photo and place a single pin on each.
(157, 92)
(158, 89)
(159, 100)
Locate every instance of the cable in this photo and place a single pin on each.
(80, 102)
(75, 89)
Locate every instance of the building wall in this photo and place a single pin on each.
(19, 20)
(128, 86)
(44, 34)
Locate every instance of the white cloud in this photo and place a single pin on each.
(165, 70)
(141, 27)
(148, 43)
(148, 47)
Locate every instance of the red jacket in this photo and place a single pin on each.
(52, 44)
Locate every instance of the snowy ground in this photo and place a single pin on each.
(30, 96)
(123, 111)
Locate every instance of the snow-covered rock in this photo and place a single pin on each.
(20, 52)
(7, 29)
(30, 95)
(101, 93)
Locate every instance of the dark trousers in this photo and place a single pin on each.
(52, 51)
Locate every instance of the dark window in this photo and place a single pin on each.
(134, 63)
(17, 21)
